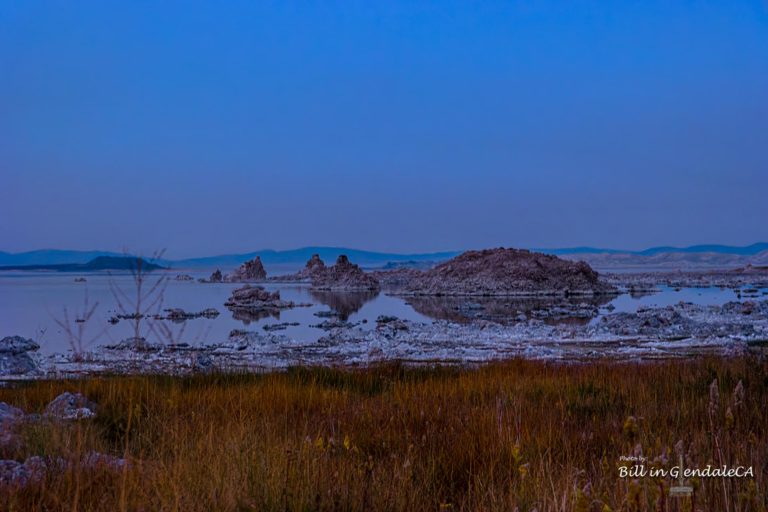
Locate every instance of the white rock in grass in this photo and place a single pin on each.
(71, 406)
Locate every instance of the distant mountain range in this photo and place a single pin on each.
(669, 258)
(269, 257)
(294, 256)
(704, 255)
(748, 250)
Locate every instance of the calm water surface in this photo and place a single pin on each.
(30, 302)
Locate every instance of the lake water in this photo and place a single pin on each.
(30, 302)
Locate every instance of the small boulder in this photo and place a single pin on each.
(95, 460)
(13, 474)
(34, 469)
(10, 416)
(209, 313)
(70, 406)
(14, 356)
(16, 345)
(202, 362)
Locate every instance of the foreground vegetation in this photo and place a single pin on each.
(514, 435)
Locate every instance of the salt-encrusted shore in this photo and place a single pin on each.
(677, 331)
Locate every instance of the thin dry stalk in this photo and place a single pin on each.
(75, 328)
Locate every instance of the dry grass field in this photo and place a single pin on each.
(516, 435)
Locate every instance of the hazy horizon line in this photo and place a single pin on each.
(422, 252)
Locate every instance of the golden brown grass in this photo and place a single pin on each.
(513, 435)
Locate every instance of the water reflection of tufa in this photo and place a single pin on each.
(344, 303)
(508, 310)
(252, 303)
(640, 293)
(254, 315)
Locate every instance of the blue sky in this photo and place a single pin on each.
(213, 127)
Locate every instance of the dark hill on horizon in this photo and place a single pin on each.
(100, 263)
(52, 257)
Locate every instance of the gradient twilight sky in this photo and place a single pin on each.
(214, 127)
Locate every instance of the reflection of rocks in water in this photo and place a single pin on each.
(252, 303)
(328, 325)
(254, 315)
(507, 311)
(639, 293)
(440, 308)
(344, 303)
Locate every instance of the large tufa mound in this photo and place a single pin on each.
(248, 272)
(508, 272)
(343, 276)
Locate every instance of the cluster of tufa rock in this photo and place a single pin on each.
(250, 271)
(216, 277)
(343, 276)
(179, 315)
(254, 298)
(314, 265)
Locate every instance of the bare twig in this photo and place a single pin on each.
(75, 329)
(144, 300)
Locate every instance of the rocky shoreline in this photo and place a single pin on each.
(677, 331)
(747, 277)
